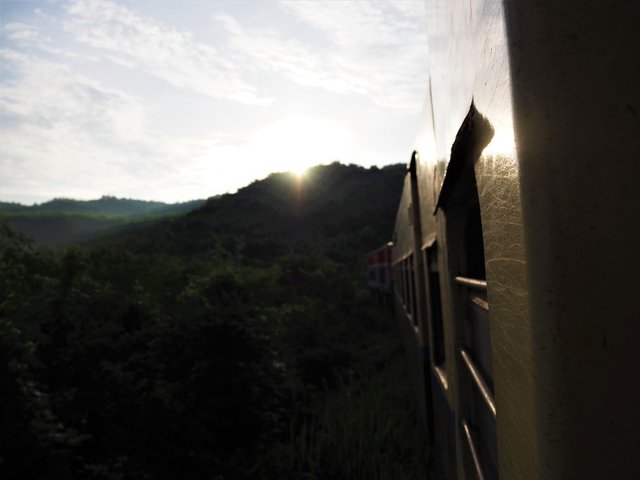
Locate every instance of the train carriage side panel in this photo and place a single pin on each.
(405, 298)
(498, 181)
(438, 330)
(527, 158)
(576, 97)
(469, 63)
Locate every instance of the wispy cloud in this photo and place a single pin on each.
(67, 134)
(19, 32)
(373, 49)
(362, 24)
(166, 52)
(379, 48)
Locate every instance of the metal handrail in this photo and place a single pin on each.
(482, 303)
(472, 449)
(442, 377)
(471, 282)
(480, 382)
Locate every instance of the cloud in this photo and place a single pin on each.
(271, 52)
(160, 50)
(414, 10)
(371, 49)
(361, 24)
(64, 134)
(20, 32)
(379, 48)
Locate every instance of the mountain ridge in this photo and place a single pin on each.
(335, 203)
(332, 206)
(107, 205)
(64, 221)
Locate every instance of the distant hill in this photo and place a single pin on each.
(341, 209)
(105, 206)
(65, 221)
(338, 209)
(55, 230)
(11, 207)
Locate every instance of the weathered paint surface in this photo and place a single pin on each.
(576, 103)
(469, 62)
(559, 191)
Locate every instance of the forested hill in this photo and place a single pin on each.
(236, 342)
(105, 206)
(63, 222)
(341, 209)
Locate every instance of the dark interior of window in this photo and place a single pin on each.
(435, 303)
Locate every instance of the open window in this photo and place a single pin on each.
(434, 301)
(459, 200)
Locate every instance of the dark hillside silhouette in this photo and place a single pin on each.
(344, 210)
(234, 342)
(62, 222)
(106, 206)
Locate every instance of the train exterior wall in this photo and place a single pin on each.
(559, 195)
(403, 247)
(469, 62)
(576, 98)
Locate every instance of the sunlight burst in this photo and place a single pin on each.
(295, 144)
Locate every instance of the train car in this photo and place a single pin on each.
(379, 273)
(516, 240)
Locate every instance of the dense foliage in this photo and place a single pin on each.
(235, 342)
(106, 206)
(62, 222)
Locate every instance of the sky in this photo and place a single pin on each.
(177, 100)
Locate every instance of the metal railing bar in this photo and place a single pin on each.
(472, 449)
(471, 282)
(442, 377)
(480, 382)
(482, 303)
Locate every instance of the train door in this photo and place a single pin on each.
(459, 201)
(444, 451)
(420, 303)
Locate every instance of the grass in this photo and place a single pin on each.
(367, 427)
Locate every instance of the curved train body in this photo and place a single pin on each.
(516, 240)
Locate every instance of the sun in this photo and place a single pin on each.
(297, 143)
(299, 170)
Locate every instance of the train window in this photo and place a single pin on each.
(405, 275)
(403, 289)
(401, 275)
(407, 279)
(467, 261)
(459, 200)
(474, 244)
(407, 291)
(476, 314)
(372, 276)
(414, 302)
(477, 356)
(435, 304)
